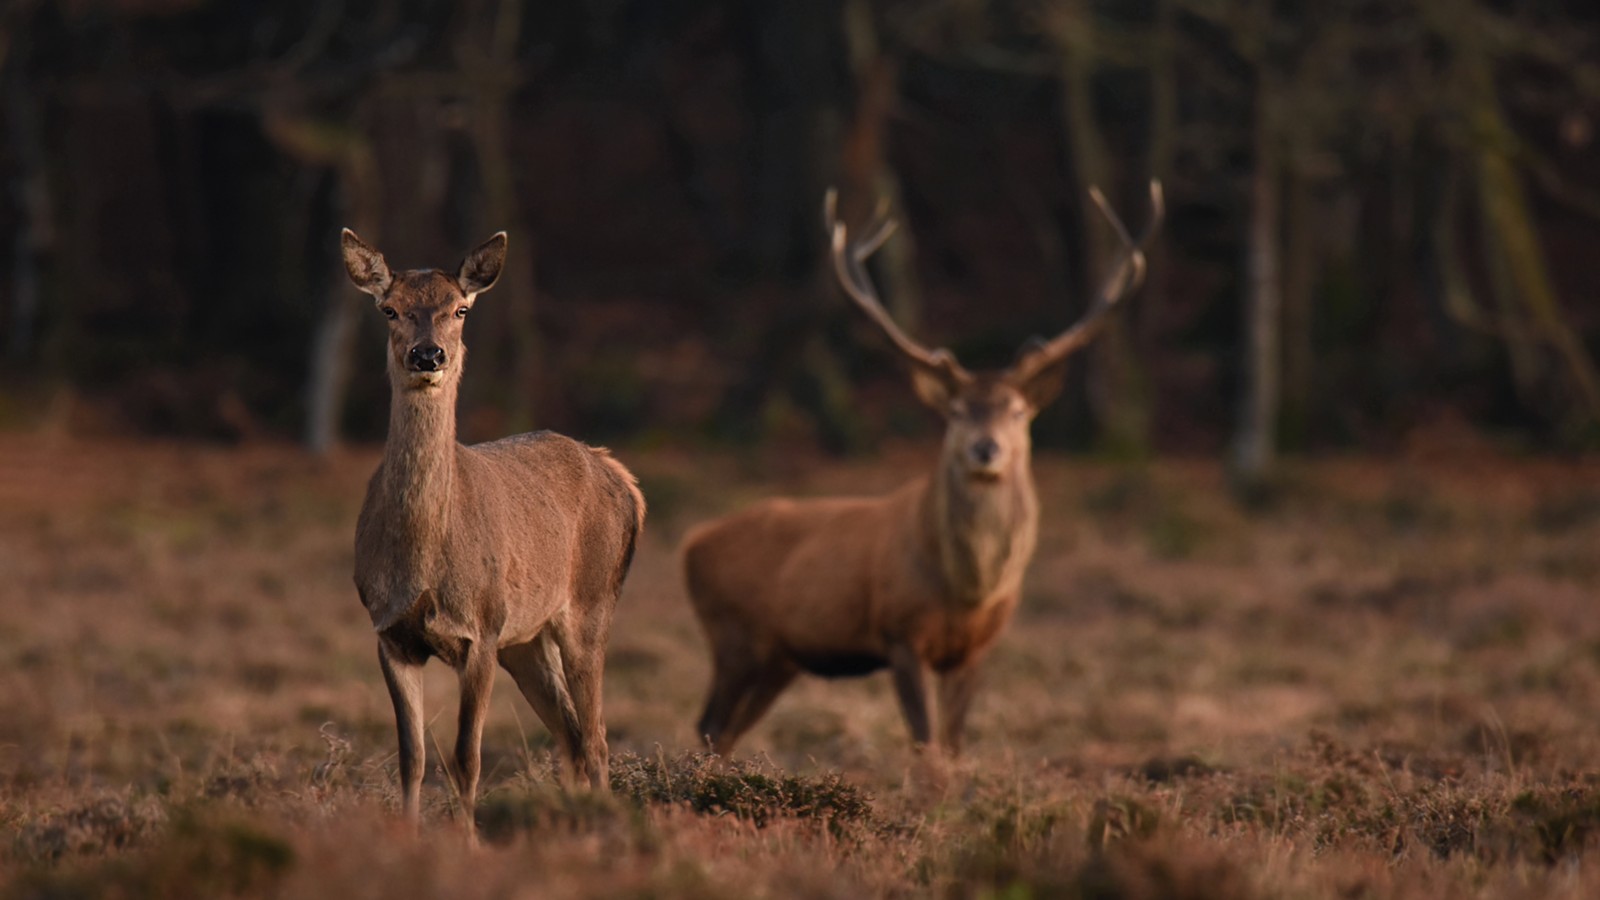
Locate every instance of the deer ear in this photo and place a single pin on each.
(936, 385)
(932, 388)
(365, 266)
(481, 268)
(1044, 385)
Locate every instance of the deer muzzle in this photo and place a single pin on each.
(985, 458)
(425, 358)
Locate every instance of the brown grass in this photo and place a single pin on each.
(1384, 684)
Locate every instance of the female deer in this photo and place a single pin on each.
(513, 551)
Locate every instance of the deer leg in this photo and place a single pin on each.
(536, 667)
(477, 682)
(584, 666)
(728, 685)
(760, 690)
(956, 688)
(733, 673)
(909, 686)
(404, 679)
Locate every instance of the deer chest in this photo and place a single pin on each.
(428, 629)
(951, 638)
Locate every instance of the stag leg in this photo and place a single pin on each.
(728, 685)
(477, 682)
(956, 688)
(404, 679)
(909, 686)
(536, 667)
(760, 689)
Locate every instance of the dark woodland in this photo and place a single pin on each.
(1381, 213)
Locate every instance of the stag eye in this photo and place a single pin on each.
(389, 313)
(461, 313)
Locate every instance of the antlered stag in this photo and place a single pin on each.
(512, 551)
(923, 578)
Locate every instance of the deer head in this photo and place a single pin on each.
(987, 414)
(425, 308)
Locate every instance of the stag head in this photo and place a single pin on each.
(426, 308)
(987, 414)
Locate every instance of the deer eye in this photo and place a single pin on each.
(461, 312)
(388, 312)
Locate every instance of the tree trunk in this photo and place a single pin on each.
(492, 55)
(518, 289)
(1255, 441)
(868, 177)
(1152, 303)
(797, 68)
(1118, 392)
(1522, 278)
(35, 232)
(1301, 263)
(346, 150)
(332, 346)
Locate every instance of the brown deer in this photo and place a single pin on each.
(923, 578)
(512, 551)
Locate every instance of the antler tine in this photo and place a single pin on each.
(851, 272)
(881, 230)
(1126, 277)
(1130, 270)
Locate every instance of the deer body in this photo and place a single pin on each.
(922, 580)
(430, 535)
(834, 584)
(511, 552)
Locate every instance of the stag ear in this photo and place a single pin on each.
(931, 389)
(1043, 385)
(481, 268)
(365, 266)
(937, 384)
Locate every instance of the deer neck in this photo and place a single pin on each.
(419, 461)
(983, 532)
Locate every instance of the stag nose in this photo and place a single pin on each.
(426, 358)
(985, 450)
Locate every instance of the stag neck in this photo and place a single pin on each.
(982, 533)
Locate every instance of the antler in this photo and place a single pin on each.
(1126, 277)
(847, 265)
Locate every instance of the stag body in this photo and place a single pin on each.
(923, 579)
(510, 552)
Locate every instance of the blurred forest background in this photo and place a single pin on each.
(1383, 214)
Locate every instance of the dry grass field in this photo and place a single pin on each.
(1384, 684)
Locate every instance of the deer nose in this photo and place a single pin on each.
(426, 358)
(984, 450)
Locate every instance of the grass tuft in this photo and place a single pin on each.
(196, 856)
(547, 809)
(1557, 825)
(106, 823)
(752, 790)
